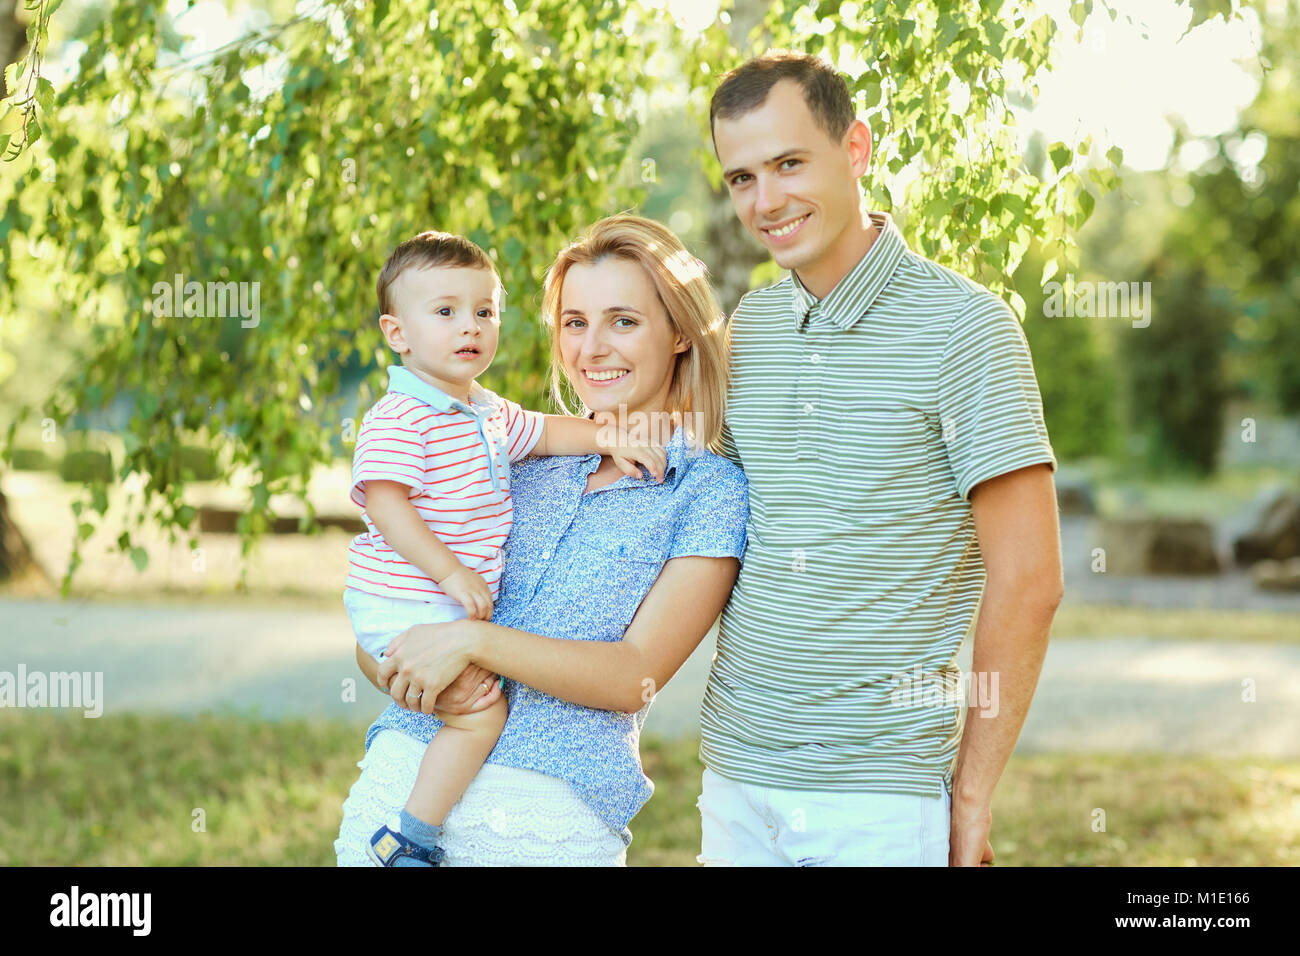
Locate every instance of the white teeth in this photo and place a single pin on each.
(781, 233)
(606, 376)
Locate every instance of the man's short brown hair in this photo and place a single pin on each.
(425, 251)
(746, 87)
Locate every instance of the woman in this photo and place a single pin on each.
(610, 582)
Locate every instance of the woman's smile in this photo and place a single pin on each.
(605, 377)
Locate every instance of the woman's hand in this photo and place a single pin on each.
(424, 660)
(475, 689)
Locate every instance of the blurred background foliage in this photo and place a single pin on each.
(298, 152)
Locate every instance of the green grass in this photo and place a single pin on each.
(1189, 624)
(123, 791)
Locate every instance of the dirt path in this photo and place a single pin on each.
(1112, 694)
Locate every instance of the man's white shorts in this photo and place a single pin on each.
(749, 825)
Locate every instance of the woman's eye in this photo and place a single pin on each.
(788, 161)
(624, 318)
(572, 322)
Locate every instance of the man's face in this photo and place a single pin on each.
(447, 323)
(792, 186)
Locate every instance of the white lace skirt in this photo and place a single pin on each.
(506, 817)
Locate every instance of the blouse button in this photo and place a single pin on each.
(546, 555)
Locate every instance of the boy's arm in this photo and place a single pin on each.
(391, 511)
(567, 435)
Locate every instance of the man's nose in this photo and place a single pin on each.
(770, 199)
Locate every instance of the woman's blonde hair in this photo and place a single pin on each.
(699, 378)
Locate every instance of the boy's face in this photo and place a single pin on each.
(792, 186)
(446, 324)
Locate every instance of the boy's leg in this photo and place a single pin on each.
(452, 759)
(458, 749)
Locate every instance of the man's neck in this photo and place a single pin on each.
(825, 274)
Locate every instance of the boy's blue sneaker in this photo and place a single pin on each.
(388, 846)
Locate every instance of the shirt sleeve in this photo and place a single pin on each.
(523, 429)
(390, 447)
(713, 526)
(990, 409)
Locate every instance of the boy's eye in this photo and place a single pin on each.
(486, 313)
(445, 310)
(786, 162)
(739, 180)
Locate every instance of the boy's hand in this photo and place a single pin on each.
(469, 588)
(654, 458)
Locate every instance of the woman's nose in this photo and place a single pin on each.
(594, 344)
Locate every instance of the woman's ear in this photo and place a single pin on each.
(683, 343)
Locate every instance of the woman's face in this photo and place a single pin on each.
(616, 345)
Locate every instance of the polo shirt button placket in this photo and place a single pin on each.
(807, 388)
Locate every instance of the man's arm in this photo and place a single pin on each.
(1019, 538)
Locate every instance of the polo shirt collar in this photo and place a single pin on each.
(406, 382)
(854, 294)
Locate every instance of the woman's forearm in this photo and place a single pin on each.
(597, 674)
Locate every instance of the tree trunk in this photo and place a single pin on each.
(16, 558)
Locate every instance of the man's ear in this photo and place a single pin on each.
(858, 140)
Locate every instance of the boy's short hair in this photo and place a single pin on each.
(746, 87)
(427, 250)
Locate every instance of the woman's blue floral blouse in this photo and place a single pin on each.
(577, 567)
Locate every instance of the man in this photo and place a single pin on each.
(887, 416)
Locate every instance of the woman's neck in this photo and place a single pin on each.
(640, 427)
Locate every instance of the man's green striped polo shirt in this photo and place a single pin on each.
(862, 422)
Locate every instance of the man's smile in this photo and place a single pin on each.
(787, 229)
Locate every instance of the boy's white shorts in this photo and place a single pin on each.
(376, 620)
